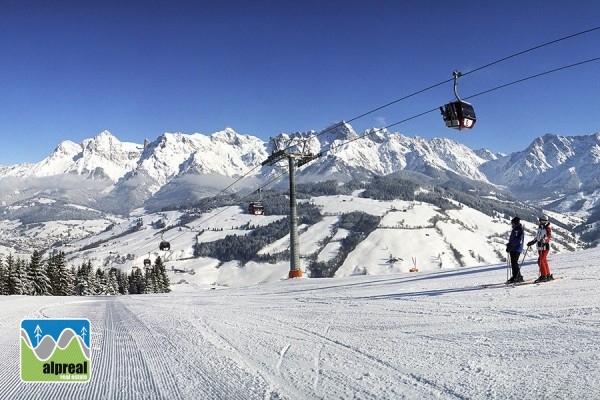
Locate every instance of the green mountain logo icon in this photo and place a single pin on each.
(55, 350)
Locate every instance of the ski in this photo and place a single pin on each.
(527, 282)
(506, 284)
(524, 283)
(492, 285)
(533, 282)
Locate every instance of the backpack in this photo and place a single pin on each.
(548, 232)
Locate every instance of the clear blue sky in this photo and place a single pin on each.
(71, 69)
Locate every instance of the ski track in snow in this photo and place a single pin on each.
(403, 336)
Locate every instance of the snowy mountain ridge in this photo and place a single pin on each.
(553, 165)
(231, 154)
(130, 175)
(101, 157)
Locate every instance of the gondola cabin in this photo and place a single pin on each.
(147, 262)
(256, 208)
(459, 115)
(164, 246)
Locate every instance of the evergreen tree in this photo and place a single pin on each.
(39, 281)
(66, 276)
(21, 268)
(80, 283)
(99, 282)
(69, 282)
(59, 275)
(112, 287)
(53, 274)
(164, 278)
(91, 279)
(83, 286)
(151, 281)
(122, 282)
(3, 278)
(13, 283)
(21, 276)
(132, 284)
(163, 283)
(139, 280)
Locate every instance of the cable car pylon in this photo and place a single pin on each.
(294, 160)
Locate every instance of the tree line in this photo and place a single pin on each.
(52, 277)
(246, 247)
(360, 225)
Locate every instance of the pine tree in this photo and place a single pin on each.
(3, 278)
(21, 277)
(158, 264)
(137, 282)
(83, 286)
(132, 288)
(68, 281)
(163, 283)
(53, 274)
(150, 278)
(123, 282)
(59, 275)
(13, 283)
(80, 283)
(112, 287)
(99, 282)
(39, 282)
(66, 276)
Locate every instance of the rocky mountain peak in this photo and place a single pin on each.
(560, 164)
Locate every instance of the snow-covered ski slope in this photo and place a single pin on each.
(408, 230)
(436, 334)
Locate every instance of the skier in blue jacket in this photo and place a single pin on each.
(515, 247)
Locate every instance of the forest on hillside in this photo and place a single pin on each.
(53, 277)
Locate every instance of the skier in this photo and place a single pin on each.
(515, 247)
(542, 237)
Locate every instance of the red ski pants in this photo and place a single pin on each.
(542, 262)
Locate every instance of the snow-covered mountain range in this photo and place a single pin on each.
(121, 176)
(105, 176)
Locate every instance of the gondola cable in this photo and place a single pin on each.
(429, 111)
(425, 90)
(468, 97)
(369, 133)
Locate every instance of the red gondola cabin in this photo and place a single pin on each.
(459, 115)
(256, 208)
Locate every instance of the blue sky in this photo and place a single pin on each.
(71, 69)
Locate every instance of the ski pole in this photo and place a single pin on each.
(524, 255)
(507, 265)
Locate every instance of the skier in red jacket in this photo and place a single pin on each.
(542, 238)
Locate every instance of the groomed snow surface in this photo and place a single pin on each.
(426, 335)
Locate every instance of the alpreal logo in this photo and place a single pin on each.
(55, 350)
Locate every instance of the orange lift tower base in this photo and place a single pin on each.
(295, 273)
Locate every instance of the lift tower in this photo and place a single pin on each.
(295, 159)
